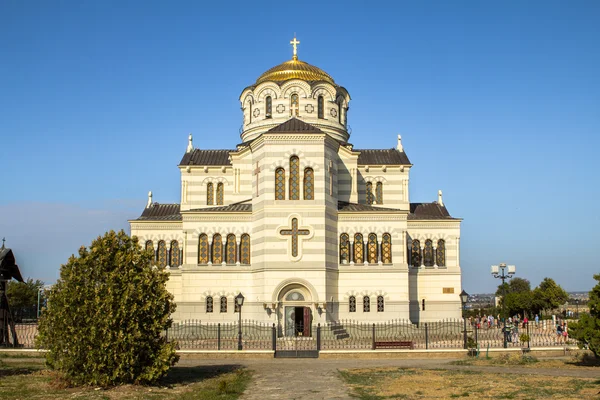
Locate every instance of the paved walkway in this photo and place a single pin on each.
(317, 379)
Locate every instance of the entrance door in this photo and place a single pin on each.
(298, 342)
(298, 321)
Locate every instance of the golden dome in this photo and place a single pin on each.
(295, 69)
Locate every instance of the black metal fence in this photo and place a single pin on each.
(343, 335)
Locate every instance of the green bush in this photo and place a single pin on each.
(105, 316)
(587, 330)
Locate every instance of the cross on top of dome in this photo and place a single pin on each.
(294, 44)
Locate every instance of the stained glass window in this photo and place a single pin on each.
(174, 254)
(320, 107)
(366, 304)
(223, 304)
(209, 304)
(217, 249)
(309, 184)
(294, 178)
(359, 256)
(268, 107)
(369, 194)
(380, 304)
(245, 249)
(220, 193)
(386, 248)
(279, 184)
(162, 254)
(231, 249)
(344, 248)
(294, 105)
(150, 246)
(203, 249)
(428, 253)
(372, 248)
(352, 304)
(440, 253)
(416, 253)
(209, 194)
(379, 193)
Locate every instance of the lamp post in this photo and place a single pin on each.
(577, 308)
(503, 272)
(239, 301)
(464, 297)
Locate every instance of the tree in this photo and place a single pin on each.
(516, 296)
(105, 316)
(587, 330)
(23, 298)
(549, 295)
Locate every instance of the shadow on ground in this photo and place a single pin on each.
(585, 360)
(188, 375)
(10, 371)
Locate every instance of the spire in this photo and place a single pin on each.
(149, 200)
(399, 145)
(440, 201)
(294, 44)
(3, 240)
(190, 146)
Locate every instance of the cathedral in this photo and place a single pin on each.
(307, 228)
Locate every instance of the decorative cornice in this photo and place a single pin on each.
(225, 217)
(434, 224)
(165, 226)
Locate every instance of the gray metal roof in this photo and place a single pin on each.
(428, 211)
(206, 157)
(161, 212)
(382, 157)
(355, 207)
(294, 125)
(230, 208)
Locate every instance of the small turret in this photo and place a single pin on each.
(149, 200)
(440, 201)
(399, 145)
(190, 146)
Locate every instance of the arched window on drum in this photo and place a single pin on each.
(162, 254)
(386, 248)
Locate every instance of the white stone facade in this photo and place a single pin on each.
(298, 259)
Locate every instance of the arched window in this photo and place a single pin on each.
(245, 249)
(344, 248)
(415, 257)
(352, 304)
(359, 256)
(217, 249)
(223, 304)
(309, 184)
(220, 193)
(294, 105)
(209, 304)
(279, 184)
(231, 249)
(369, 194)
(379, 193)
(428, 253)
(366, 304)
(268, 107)
(162, 254)
(150, 246)
(203, 249)
(386, 248)
(294, 178)
(174, 261)
(372, 248)
(440, 253)
(380, 305)
(321, 107)
(210, 196)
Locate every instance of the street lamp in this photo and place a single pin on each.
(577, 308)
(503, 272)
(239, 301)
(464, 297)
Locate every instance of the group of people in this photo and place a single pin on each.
(511, 330)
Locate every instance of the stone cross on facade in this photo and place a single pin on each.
(294, 235)
(257, 173)
(295, 43)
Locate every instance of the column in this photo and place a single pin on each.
(379, 248)
(351, 255)
(366, 249)
(422, 250)
(238, 250)
(434, 256)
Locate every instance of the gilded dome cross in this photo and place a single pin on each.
(295, 43)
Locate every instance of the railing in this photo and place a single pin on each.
(339, 335)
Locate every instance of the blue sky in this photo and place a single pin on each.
(498, 104)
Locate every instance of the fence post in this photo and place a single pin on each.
(426, 337)
(373, 336)
(274, 337)
(529, 341)
(219, 336)
(319, 336)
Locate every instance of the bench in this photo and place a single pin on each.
(396, 344)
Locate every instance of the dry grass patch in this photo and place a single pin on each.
(29, 379)
(403, 383)
(579, 361)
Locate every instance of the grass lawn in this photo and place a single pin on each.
(29, 379)
(412, 383)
